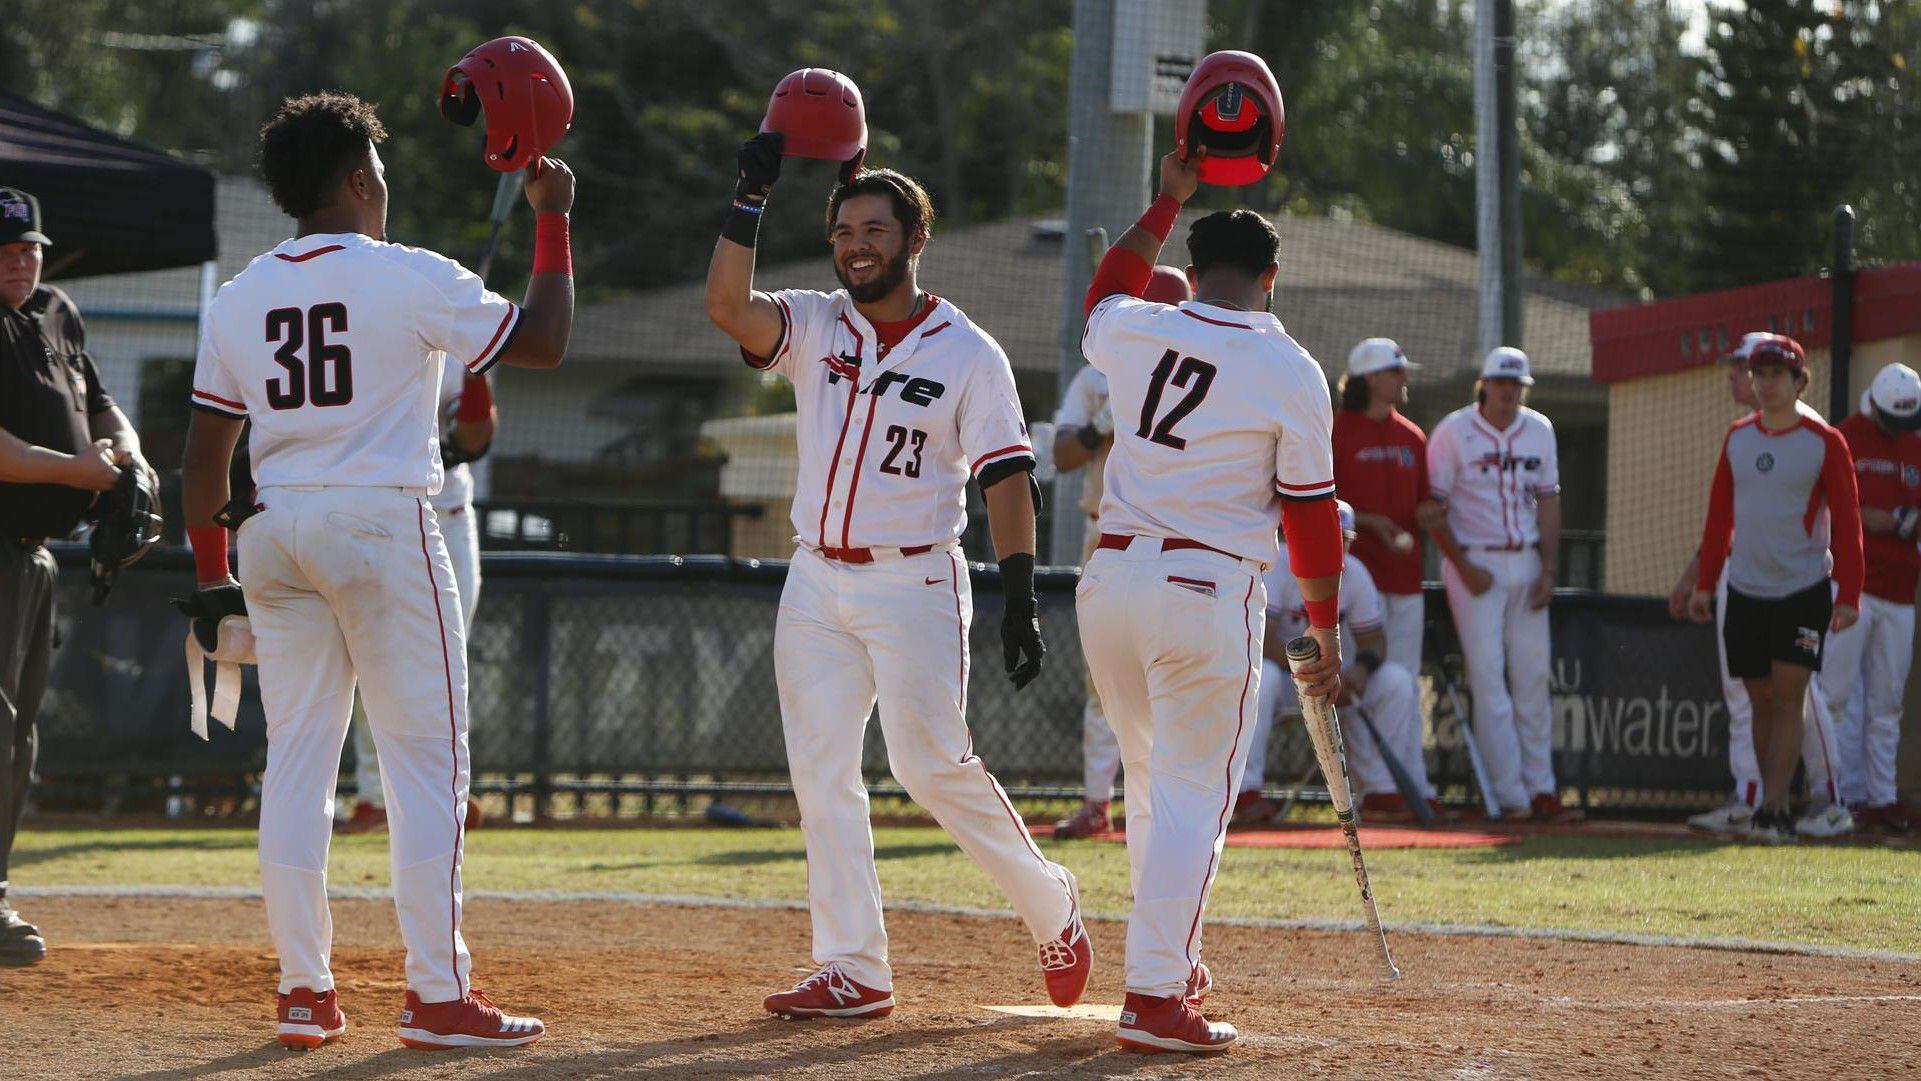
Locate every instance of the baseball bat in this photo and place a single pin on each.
(504, 193)
(1322, 728)
(1403, 780)
(1488, 802)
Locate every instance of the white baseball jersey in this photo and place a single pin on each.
(1361, 609)
(1492, 480)
(1217, 414)
(457, 487)
(888, 443)
(1086, 396)
(331, 345)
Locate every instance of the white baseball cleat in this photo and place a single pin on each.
(1732, 817)
(1825, 822)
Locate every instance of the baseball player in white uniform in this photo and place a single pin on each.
(1222, 428)
(1083, 434)
(900, 401)
(1827, 816)
(1371, 683)
(331, 343)
(1494, 473)
(468, 418)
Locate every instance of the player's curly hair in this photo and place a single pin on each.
(1240, 239)
(311, 143)
(911, 204)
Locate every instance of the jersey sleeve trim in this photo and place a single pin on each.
(497, 344)
(1016, 451)
(214, 403)
(1304, 492)
(761, 364)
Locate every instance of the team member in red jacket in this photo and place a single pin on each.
(1874, 655)
(1784, 489)
(1380, 468)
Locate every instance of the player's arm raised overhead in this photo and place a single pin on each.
(1129, 264)
(749, 317)
(539, 337)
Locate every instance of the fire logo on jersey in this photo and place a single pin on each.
(1506, 463)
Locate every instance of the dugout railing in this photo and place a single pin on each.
(653, 676)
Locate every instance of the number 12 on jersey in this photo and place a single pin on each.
(1184, 372)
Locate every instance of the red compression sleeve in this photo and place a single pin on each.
(552, 252)
(1124, 271)
(1844, 520)
(209, 552)
(1313, 529)
(476, 400)
(1720, 524)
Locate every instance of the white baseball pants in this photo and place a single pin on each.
(1392, 701)
(1505, 646)
(1100, 751)
(1818, 743)
(1406, 624)
(345, 584)
(1872, 656)
(1174, 642)
(463, 547)
(895, 629)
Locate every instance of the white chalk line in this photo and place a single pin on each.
(1456, 930)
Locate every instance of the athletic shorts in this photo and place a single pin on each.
(1761, 630)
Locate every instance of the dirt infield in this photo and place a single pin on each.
(182, 988)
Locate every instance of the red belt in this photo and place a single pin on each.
(866, 555)
(1168, 544)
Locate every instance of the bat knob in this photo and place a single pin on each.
(1303, 650)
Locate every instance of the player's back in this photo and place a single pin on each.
(1216, 412)
(330, 345)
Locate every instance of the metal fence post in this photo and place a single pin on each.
(539, 643)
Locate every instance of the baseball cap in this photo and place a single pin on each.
(1759, 347)
(1507, 362)
(1896, 395)
(1377, 355)
(20, 218)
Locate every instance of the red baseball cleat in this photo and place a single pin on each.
(473, 1021)
(1199, 983)
(830, 993)
(308, 1020)
(367, 818)
(1378, 808)
(1068, 959)
(1091, 820)
(1253, 809)
(475, 816)
(1151, 1025)
(1546, 807)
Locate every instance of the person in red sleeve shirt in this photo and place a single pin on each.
(1784, 519)
(1875, 653)
(1380, 468)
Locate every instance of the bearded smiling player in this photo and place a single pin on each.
(900, 400)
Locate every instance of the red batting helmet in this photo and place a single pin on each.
(1232, 106)
(1167, 286)
(819, 114)
(526, 96)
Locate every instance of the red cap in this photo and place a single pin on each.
(1759, 348)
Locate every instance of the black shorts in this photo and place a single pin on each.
(1759, 631)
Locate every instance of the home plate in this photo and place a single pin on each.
(1086, 1011)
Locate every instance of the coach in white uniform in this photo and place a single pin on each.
(1493, 469)
(467, 411)
(1083, 434)
(331, 344)
(900, 401)
(1222, 428)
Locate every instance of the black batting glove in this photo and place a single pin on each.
(207, 607)
(1021, 645)
(759, 169)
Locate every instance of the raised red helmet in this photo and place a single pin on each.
(1167, 286)
(819, 114)
(1232, 106)
(527, 99)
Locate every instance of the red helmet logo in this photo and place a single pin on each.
(1232, 106)
(819, 115)
(527, 99)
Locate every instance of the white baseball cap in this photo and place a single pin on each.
(1345, 512)
(1507, 362)
(1377, 355)
(1896, 393)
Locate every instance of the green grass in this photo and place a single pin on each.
(1830, 895)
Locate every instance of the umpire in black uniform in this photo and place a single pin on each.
(62, 441)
